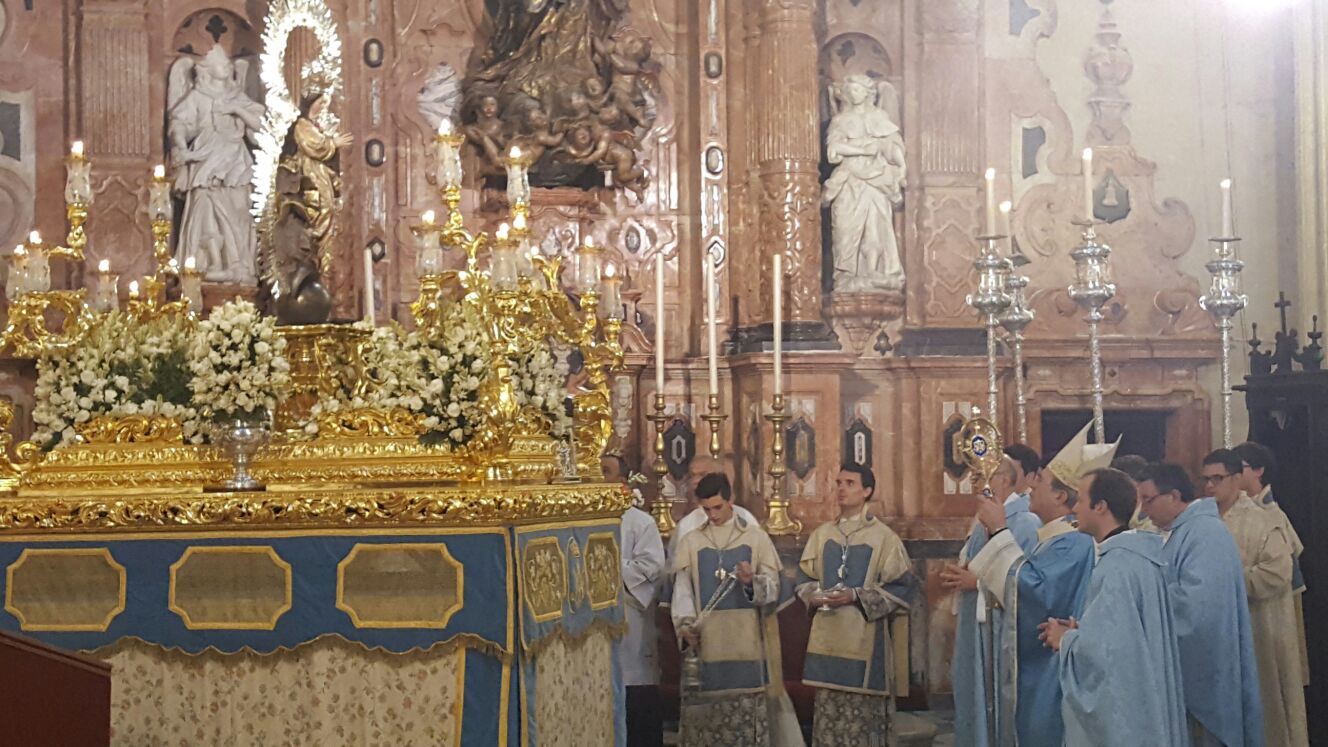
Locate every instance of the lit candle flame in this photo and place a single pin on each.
(519, 222)
(1088, 154)
(445, 126)
(158, 172)
(34, 238)
(515, 153)
(428, 217)
(610, 270)
(76, 149)
(991, 175)
(189, 264)
(20, 251)
(590, 242)
(503, 232)
(104, 266)
(1226, 184)
(133, 289)
(1006, 207)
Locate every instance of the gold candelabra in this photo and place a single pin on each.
(778, 520)
(661, 508)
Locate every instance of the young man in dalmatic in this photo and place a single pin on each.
(854, 572)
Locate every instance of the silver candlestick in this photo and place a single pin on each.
(1092, 288)
(990, 300)
(1015, 320)
(1224, 300)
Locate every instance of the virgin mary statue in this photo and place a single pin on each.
(867, 184)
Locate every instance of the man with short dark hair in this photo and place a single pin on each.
(725, 593)
(1207, 586)
(1256, 479)
(1027, 463)
(1266, 555)
(1030, 586)
(701, 466)
(850, 576)
(1119, 663)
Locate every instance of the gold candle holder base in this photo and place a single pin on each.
(777, 520)
(715, 419)
(661, 508)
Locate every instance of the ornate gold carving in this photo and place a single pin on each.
(603, 570)
(330, 507)
(132, 429)
(324, 361)
(544, 576)
(370, 423)
(27, 331)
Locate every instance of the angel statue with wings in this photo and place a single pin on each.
(864, 145)
(210, 119)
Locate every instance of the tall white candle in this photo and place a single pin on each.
(659, 323)
(1228, 222)
(368, 287)
(990, 189)
(1088, 184)
(710, 322)
(778, 301)
(1005, 227)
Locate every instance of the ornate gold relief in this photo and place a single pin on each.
(415, 585)
(65, 589)
(369, 423)
(544, 576)
(136, 429)
(230, 588)
(603, 570)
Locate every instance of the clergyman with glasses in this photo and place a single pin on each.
(1265, 552)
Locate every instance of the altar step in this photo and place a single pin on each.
(912, 729)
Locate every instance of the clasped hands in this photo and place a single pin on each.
(833, 598)
(1054, 629)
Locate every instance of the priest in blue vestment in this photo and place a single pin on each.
(1207, 585)
(1049, 581)
(978, 624)
(1119, 662)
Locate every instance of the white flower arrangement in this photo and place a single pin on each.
(120, 368)
(238, 364)
(440, 379)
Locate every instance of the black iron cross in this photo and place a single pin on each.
(1281, 304)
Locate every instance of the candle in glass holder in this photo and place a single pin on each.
(38, 276)
(191, 283)
(17, 283)
(587, 266)
(502, 262)
(428, 255)
(133, 290)
(611, 289)
(159, 195)
(104, 296)
(78, 176)
(518, 181)
(449, 156)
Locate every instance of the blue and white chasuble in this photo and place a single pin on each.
(1120, 669)
(1051, 581)
(967, 671)
(1206, 581)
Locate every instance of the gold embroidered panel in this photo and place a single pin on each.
(65, 589)
(416, 585)
(230, 588)
(544, 578)
(603, 562)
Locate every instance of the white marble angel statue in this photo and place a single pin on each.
(864, 145)
(210, 118)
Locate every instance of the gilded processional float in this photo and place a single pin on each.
(239, 504)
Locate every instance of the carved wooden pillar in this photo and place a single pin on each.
(787, 156)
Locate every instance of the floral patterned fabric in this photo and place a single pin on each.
(326, 693)
(574, 698)
(725, 721)
(843, 718)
